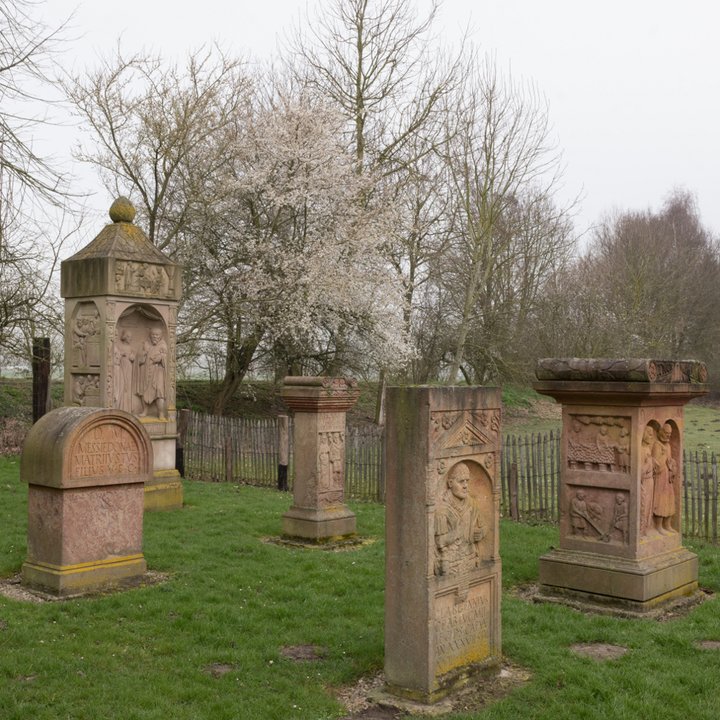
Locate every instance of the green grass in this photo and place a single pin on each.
(234, 600)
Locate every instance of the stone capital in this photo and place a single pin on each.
(319, 394)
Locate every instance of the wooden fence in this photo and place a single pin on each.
(530, 476)
(240, 450)
(222, 449)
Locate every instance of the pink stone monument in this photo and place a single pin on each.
(86, 470)
(442, 567)
(621, 481)
(319, 404)
(121, 297)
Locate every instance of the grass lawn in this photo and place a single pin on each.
(233, 602)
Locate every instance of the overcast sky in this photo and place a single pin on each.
(632, 85)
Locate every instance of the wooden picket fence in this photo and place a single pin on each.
(242, 450)
(219, 449)
(530, 476)
(700, 495)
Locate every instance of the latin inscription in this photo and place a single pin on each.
(462, 629)
(105, 450)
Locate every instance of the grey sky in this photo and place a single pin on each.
(631, 85)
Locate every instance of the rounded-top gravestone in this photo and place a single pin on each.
(86, 470)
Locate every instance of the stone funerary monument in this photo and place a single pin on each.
(121, 296)
(621, 481)
(443, 574)
(319, 405)
(86, 471)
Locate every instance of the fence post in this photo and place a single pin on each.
(283, 426)
(513, 491)
(183, 422)
(41, 377)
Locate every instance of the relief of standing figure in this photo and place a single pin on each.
(124, 361)
(152, 362)
(647, 479)
(666, 473)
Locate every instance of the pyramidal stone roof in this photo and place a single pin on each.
(122, 239)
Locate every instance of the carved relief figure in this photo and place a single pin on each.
(606, 448)
(620, 520)
(336, 457)
(152, 365)
(86, 390)
(647, 479)
(78, 390)
(586, 514)
(92, 339)
(124, 361)
(458, 526)
(324, 467)
(665, 472)
(623, 449)
(79, 338)
(578, 514)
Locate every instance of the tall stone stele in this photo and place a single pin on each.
(621, 481)
(121, 297)
(442, 562)
(319, 405)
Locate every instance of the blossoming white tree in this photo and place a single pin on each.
(260, 195)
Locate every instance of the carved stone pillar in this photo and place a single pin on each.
(121, 296)
(442, 560)
(621, 481)
(319, 405)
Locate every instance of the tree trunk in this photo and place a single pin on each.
(240, 352)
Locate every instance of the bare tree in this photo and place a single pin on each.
(158, 132)
(498, 153)
(656, 280)
(27, 48)
(374, 60)
(33, 194)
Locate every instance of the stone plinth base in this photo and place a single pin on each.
(319, 525)
(164, 491)
(83, 578)
(447, 686)
(637, 585)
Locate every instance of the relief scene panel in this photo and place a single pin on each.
(597, 442)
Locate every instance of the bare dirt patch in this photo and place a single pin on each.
(677, 608)
(306, 653)
(13, 589)
(708, 644)
(217, 670)
(599, 651)
(362, 703)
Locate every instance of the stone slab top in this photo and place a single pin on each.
(628, 370)
(592, 392)
(319, 394)
(73, 447)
